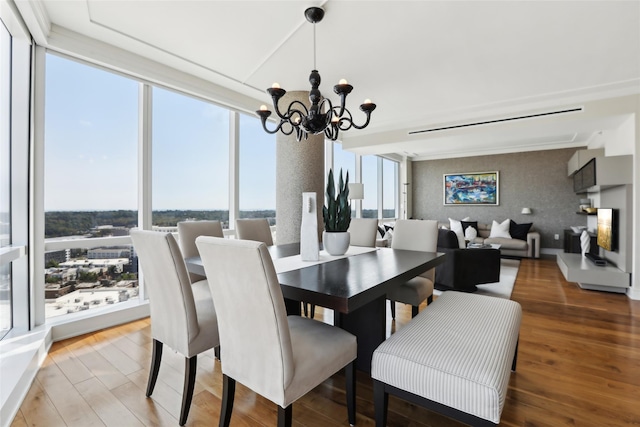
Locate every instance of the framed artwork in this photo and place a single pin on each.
(475, 188)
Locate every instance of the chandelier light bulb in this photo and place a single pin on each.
(342, 82)
(275, 86)
(367, 101)
(263, 107)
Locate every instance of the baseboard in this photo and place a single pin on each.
(79, 325)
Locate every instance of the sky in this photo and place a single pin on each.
(91, 154)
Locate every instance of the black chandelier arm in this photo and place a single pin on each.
(263, 118)
(291, 111)
(331, 132)
(326, 102)
(343, 104)
(287, 115)
(347, 118)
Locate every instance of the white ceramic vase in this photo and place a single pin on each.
(336, 242)
(585, 242)
(309, 229)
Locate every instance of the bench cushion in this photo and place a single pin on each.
(457, 352)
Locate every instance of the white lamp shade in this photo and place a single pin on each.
(526, 211)
(356, 191)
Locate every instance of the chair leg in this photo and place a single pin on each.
(429, 299)
(313, 311)
(393, 309)
(350, 388)
(305, 309)
(414, 310)
(190, 368)
(380, 403)
(228, 391)
(515, 356)
(284, 416)
(156, 357)
(216, 352)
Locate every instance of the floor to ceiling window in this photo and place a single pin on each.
(91, 149)
(389, 189)
(344, 161)
(370, 181)
(190, 162)
(257, 170)
(6, 310)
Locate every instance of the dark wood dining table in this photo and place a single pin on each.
(354, 287)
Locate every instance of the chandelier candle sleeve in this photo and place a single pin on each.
(321, 115)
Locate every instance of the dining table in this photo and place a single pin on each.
(354, 287)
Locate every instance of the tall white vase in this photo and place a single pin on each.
(309, 229)
(585, 242)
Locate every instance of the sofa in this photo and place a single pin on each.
(463, 269)
(519, 245)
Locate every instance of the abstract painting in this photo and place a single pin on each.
(475, 188)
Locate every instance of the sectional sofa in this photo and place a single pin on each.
(521, 245)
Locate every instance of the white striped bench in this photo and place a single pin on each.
(454, 358)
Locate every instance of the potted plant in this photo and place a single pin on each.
(337, 216)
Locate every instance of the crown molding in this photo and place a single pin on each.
(36, 18)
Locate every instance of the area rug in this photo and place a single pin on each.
(503, 288)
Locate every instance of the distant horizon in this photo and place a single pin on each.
(158, 210)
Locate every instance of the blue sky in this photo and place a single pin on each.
(91, 154)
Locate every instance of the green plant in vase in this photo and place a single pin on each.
(336, 214)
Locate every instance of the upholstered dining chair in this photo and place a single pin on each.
(414, 235)
(363, 232)
(182, 314)
(187, 233)
(279, 357)
(257, 229)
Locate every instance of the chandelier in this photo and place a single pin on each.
(322, 116)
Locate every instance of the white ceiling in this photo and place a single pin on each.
(425, 64)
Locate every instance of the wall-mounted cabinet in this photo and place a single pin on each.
(601, 173)
(581, 157)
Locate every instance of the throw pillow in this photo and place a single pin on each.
(519, 231)
(381, 231)
(456, 226)
(500, 229)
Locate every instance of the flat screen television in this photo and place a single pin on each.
(607, 236)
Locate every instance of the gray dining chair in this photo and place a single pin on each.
(182, 314)
(363, 232)
(279, 357)
(414, 235)
(256, 229)
(187, 233)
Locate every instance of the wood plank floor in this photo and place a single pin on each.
(578, 365)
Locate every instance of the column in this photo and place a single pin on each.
(299, 168)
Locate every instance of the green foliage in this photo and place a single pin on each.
(337, 212)
(84, 223)
(52, 264)
(86, 277)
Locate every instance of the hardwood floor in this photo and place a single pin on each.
(578, 365)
